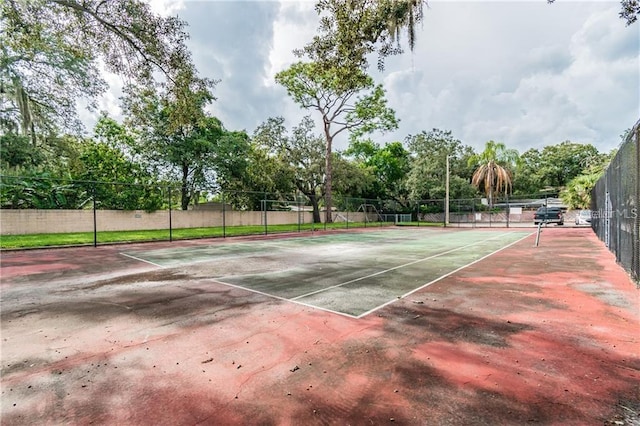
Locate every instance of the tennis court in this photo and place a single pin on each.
(350, 274)
(411, 326)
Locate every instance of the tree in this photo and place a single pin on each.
(352, 181)
(528, 174)
(36, 189)
(300, 156)
(180, 141)
(494, 169)
(427, 177)
(577, 194)
(351, 104)
(51, 51)
(263, 174)
(388, 166)
(17, 152)
(562, 162)
(109, 173)
(350, 31)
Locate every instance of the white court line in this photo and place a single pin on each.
(198, 250)
(396, 267)
(143, 260)
(273, 296)
(442, 277)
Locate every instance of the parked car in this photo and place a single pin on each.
(583, 217)
(548, 215)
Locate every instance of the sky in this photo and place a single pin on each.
(525, 73)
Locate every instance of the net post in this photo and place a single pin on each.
(538, 233)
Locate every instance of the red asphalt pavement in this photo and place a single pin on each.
(546, 335)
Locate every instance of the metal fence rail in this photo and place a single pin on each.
(614, 202)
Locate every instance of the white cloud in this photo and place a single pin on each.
(294, 25)
(166, 7)
(508, 72)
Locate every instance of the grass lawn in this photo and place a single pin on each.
(105, 237)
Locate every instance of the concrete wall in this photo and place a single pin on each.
(19, 222)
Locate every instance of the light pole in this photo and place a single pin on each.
(446, 196)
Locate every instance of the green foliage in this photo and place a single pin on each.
(115, 182)
(347, 100)
(577, 194)
(300, 156)
(388, 167)
(556, 165)
(180, 142)
(37, 190)
(18, 152)
(262, 175)
(562, 162)
(51, 51)
(351, 179)
(350, 31)
(427, 176)
(528, 178)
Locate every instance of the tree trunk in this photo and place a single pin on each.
(327, 171)
(316, 209)
(184, 190)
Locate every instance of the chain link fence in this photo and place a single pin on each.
(614, 204)
(90, 212)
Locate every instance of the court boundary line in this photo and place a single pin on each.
(308, 305)
(399, 266)
(143, 260)
(284, 248)
(442, 277)
(284, 299)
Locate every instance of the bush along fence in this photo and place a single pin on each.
(614, 204)
(104, 212)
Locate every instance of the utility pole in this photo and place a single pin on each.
(446, 197)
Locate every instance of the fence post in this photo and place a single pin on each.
(636, 223)
(473, 211)
(508, 210)
(95, 221)
(346, 203)
(266, 227)
(298, 205)
(444, 219)
(224, 217)
(170, 214)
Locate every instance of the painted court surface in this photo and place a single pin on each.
(391, 326)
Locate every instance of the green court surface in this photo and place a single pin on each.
(352, 274)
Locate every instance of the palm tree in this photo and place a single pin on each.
(493, 175)
(577, 194)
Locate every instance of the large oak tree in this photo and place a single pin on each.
(52, 51)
